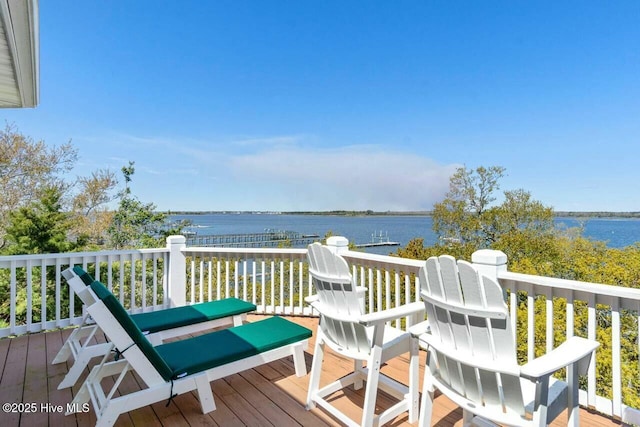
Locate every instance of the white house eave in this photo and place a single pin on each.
(19, 54)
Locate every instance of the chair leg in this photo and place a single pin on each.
(426, 403)
(573, 407)
(371, 392)
(358, 366)
(414, 378)
(316, 369)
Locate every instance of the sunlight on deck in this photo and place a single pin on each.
(270, 395)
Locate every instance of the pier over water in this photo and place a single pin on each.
(268, 239)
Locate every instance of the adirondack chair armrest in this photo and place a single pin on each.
(380, 317)
(420, 328)
(571, 351)
(311, 299)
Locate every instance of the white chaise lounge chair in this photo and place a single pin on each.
(171, 369)
(156, 325)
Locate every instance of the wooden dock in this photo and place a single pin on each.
(268, 239)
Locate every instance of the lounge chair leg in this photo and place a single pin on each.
(82, 331)
(205, 395)
(238, 320)
(82, 361)
(298, 361)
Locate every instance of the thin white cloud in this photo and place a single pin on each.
(278, 141)
(356, 177)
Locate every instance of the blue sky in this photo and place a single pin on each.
(274, 105)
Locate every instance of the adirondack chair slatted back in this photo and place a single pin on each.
(338, 298)
(472, 350)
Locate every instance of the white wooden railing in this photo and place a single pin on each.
(31, 286)
(277, 281)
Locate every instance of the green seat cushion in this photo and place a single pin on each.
(86, 277)
(189, 315)
(207, 351)
(121, 315)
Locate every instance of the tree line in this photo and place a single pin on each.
(43, 210)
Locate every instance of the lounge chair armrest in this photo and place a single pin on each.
(420, 328)
(571, 351)
(412, 309)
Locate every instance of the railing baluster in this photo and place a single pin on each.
(132, 278)
(12, 298)
(29, 296)
(43, 293)
(210, 279)
(236, 277)
(58, 293)
(549, 319)
(616, 361)
(263, 284)
(591, 334)
(254, 268)
(281, 305)
(531, 325)
(272, 303)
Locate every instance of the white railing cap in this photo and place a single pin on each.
(489, 257)
(176, 239)
(338, 242)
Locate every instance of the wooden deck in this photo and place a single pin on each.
(270, 395)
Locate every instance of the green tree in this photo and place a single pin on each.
(135, 224)
(40, 227)
(468, 217)
(461, 216)
(90, 206)
(27, 169)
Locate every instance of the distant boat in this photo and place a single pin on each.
(450, 240)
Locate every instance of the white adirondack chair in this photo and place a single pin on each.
(472, 354)
(362, 337)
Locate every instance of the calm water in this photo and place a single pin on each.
(616, 232)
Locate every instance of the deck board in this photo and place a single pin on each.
(269, 395)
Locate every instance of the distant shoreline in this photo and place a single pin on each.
(573, 214)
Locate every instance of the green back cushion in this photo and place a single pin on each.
(176, 317)
(121, 315)
(86, 277)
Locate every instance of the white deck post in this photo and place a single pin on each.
(177, 287)
(489, 262)
(338, 244)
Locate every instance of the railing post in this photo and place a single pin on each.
(338, 244)
(177, 287)
(489, 262)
